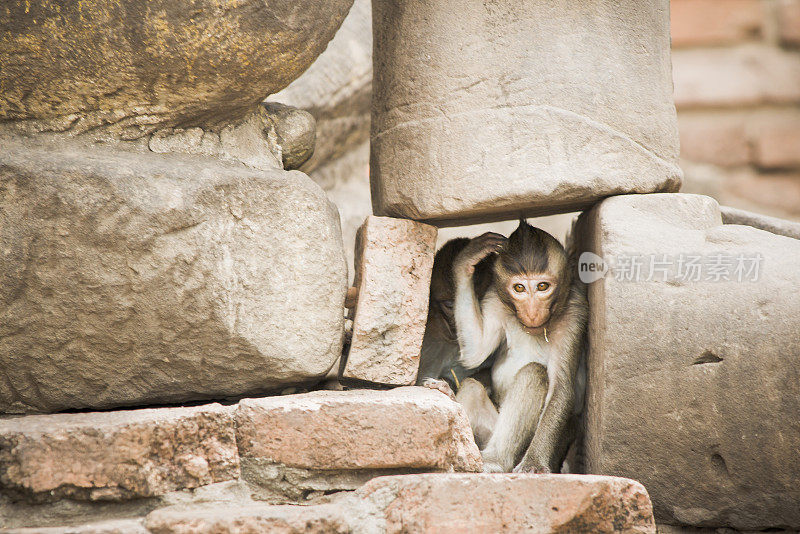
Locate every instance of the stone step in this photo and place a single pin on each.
(285, 448)
(441, 503)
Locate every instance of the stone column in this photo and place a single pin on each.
(490, 110)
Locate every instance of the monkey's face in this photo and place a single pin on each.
(532, 296)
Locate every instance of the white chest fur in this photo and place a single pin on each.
(521, 348)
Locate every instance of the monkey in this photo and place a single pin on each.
(531, 321)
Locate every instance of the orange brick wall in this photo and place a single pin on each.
(736, 68)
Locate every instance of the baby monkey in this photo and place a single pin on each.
(517, 306)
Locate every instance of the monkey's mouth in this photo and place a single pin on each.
(535, 326)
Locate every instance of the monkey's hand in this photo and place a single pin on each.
(531, 466)
(477, 249)
(439, 385)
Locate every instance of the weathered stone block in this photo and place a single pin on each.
(113, 526)
(693, 375)
(408, 427)
(253, 518)
(475, 115)
(128, 279)
(444, 503)
(116, 455)
(131, 66)
(451, 503)
(393, 261)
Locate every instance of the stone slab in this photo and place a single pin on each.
(393, 261)
(694, 378)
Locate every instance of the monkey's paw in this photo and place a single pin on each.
(492, 467)
(439, 385)
(532, 467)
(477, 249)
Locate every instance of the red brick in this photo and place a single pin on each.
(407, 427)
(710, 22)
(117, 455)
(789, 21)
(717, 138)
(733, 77)
(775, 138)
(777, 194)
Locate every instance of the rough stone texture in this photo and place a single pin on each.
(253, 518)
(394, 259)
(762, 222)
(128, 279)
(476, 115)
(744, 75)
(132, 66)
(694, 386)
(94, 514)
(337, 89)
(273, 137)
(510, 503)
(295, 131)
(116, 455)
(117, 526)
(408, 427)
(440, 503)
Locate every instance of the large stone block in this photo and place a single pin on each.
(131, 66)
(394, 259)
(116, 455)
(128, 279)
(694, 364)
(442, 503)
(491, 111)
(408, 427)
(452, 503)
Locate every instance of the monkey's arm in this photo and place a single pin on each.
(479, 334)
(479, 330)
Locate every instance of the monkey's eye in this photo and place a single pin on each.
(542, 286)
(519, 288)
(447, 304)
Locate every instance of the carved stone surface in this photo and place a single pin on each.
(491, 111)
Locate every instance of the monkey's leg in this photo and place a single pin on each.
(480, 410)
(516, 423)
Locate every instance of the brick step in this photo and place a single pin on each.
(283, 448)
